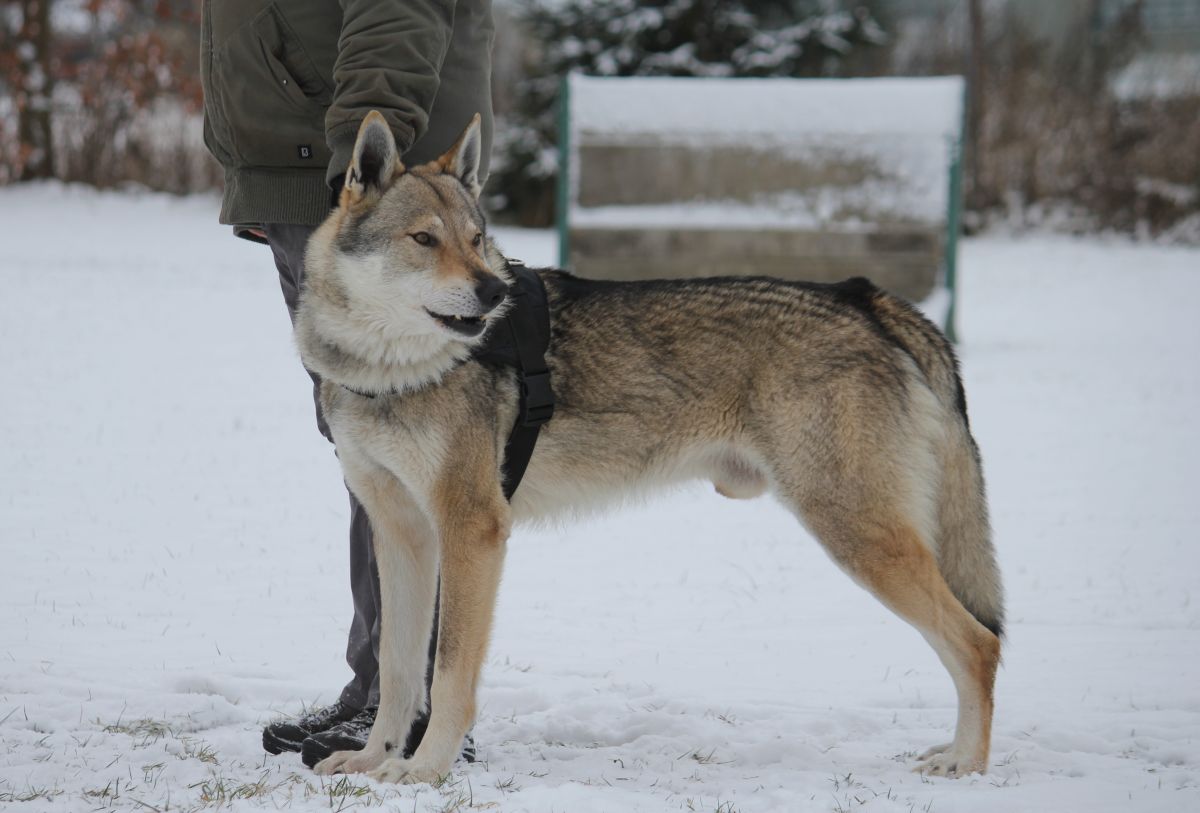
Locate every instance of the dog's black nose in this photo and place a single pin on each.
(491, 291)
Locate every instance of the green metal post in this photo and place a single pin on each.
(562, 201)
(953, 216)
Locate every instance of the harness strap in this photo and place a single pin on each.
(528, 321)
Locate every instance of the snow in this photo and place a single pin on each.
(869, 207)
(175, 574)
(1158, 76)
(925, 106)
(883, 147)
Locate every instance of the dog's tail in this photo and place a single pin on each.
(964, 547)
(965, 554)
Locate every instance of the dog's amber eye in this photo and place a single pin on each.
(424, 238)
(476, 240)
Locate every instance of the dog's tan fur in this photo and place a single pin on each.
(841, 400)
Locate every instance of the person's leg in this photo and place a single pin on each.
(362, 644)
(288, 243)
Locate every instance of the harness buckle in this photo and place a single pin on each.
(537, 399)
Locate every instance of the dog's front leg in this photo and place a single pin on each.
(473, 532)
(406, 552)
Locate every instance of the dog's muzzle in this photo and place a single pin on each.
(490, 291)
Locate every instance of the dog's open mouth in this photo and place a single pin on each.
(463, 325)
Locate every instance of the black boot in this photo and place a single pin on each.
(352, 735)
(288, 735)
(348, 735)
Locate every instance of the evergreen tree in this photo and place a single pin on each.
(714, 38)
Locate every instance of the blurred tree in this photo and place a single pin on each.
(27, 69)
(755, 38)
(976, 100)
(104, 98)
(137, 50)
(131, 62)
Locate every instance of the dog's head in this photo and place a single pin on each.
(412, 241)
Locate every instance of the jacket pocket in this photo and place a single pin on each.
(272, 96)
(289, 61)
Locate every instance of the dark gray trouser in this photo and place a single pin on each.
(362, 648)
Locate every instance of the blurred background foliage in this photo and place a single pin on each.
(1083, 114)
(657, 38)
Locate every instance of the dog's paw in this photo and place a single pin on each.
(934, 751)
(945, 760)
(348, 762)
(405, 772)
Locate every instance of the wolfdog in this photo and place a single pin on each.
(841, 400)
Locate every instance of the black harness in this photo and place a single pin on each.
(520, 342)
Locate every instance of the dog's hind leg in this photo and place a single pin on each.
(899, 569)
(406, 553)
(891, 561)
(870, 527)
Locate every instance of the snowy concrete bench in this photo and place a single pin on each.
(803, 179)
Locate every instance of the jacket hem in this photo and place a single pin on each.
(254, 196)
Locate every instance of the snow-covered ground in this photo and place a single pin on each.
(173, 564)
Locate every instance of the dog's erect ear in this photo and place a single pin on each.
(376, 162)
(462, 160)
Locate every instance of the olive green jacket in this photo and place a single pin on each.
(287, 83)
